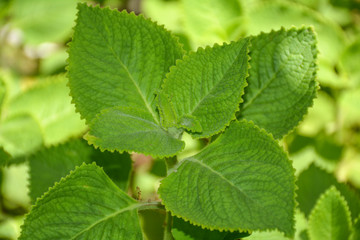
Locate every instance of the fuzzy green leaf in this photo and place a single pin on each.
(206, 87)
(48, 165)
(314, 181)
(118, 59)
(49, 103)
(242, 181)
(330, 218)
(126, 129)
(282, 79)
(84, 205)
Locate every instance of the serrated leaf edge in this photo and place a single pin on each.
(315, 52)
(107, 8)
(254, 126)
(203, 49)
(340, 197)
(63, 179)
(90, 139)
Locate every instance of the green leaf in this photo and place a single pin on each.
(118, 59)
(206, 87)
(356, 230)
(49, 165)
(211, 21)
(330, 218)
(129, 129)
(314, 181)
(50, 104)
(182, 230)
(116, 65)
(20, 135)
(282, 79)
(42, 20)
(243, 181)
(276, 14)
(84, 205)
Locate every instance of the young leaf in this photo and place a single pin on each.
(48, 165)
(330, 218)
(84, 205)
(56, 115)
(243, 181)
(205, 88)
(314, 181)
(130, 129)
(282, 79)
(118, 59)
(182, 230)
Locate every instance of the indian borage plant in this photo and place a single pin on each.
(139, 91)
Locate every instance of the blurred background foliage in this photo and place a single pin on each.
(37, 118)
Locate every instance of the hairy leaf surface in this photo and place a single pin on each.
(128, 129)
(330, 218)
(282, 79)
(118, 59)
(48, 165)
(242, 181)
(206, 87)
(84, 205)
(50, 104)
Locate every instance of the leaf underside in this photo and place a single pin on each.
(330, 218)
(84, 205)
(130, 129)
(282, 82)
(242, 181)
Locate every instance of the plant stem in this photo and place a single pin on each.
(168, 225)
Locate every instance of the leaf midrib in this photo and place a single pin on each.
(221, 176)
(220, 80)
(262, 89)
(129, 208)
(129, 75)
